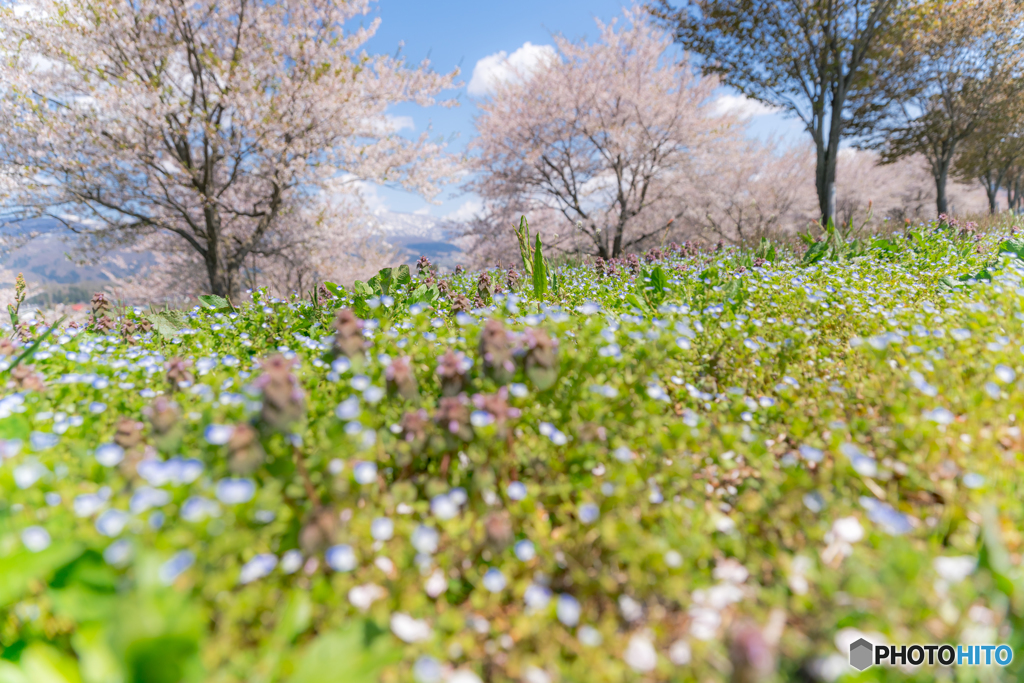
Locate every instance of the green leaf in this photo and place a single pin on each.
(167, 323)
(14, 315)
(402, 275)
(633, 299)
(214, 302)
(540, 278)
(525, 248)
(362, 289)
(45, 664)
(345, 651)
(334, 289)
(17, 571)
(97, 661)
(1014, 245)
(384, 277)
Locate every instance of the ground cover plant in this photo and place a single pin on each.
(691, 464)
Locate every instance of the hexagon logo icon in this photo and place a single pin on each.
(862, 654)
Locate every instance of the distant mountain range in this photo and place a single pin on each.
(45, 261)
(419, 235)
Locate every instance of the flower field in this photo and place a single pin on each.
(696, 464)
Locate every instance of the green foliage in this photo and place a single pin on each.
(525, 246)
(540, 273)
(819, 438)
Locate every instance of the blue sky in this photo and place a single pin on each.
(461, 33)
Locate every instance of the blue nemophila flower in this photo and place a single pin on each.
(425, 539)
(118, 553)
(623, 454)
(973, 480)
(198, 508)
(940, 415)
(516, 490)
(604, 390)
(567, 609)
(536, 597)
(518, 390)
(176, 566)
(53, 499)
(549, 430)
(382, 529)
(341, 558)
(112, 522)
(993, 390)
(864, 465)
(525, 550)
(494, 580)
(28, 473)
(88, 504)
(96, 407)
(814, 501)
(427, 669)
(588, 513)
(218, 435)
(235, 491)
(589, 636)
(365, 472)
(892, 521)
(146, 498)
(291, 561)
(35, 538)
(173, 471)
(811, 454)
(458, 495)
(443, 507)
(109, 454)
(259, 566)
(481, 418)
(1005, 373)
(41, 441)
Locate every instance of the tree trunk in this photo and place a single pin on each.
(828, 155)
(223, 282)
(991, 191)
(941, 175)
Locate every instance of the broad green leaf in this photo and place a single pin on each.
(97, 662)
(362, 289)
(167, 323)
(18, 571)
(45, 664)
(214, 302)
(334, 289)
(403, 276)
(344, 655)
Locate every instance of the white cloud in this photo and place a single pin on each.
(741, 106)
(468, 210)
(398, 123)
(501, 67)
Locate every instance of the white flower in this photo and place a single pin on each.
(955, 569)
(363, 596)
(640, 654)
(408, 629)
(436, 584)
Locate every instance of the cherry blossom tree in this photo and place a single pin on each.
(214, 126)
(754, 189)
(599, 145)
